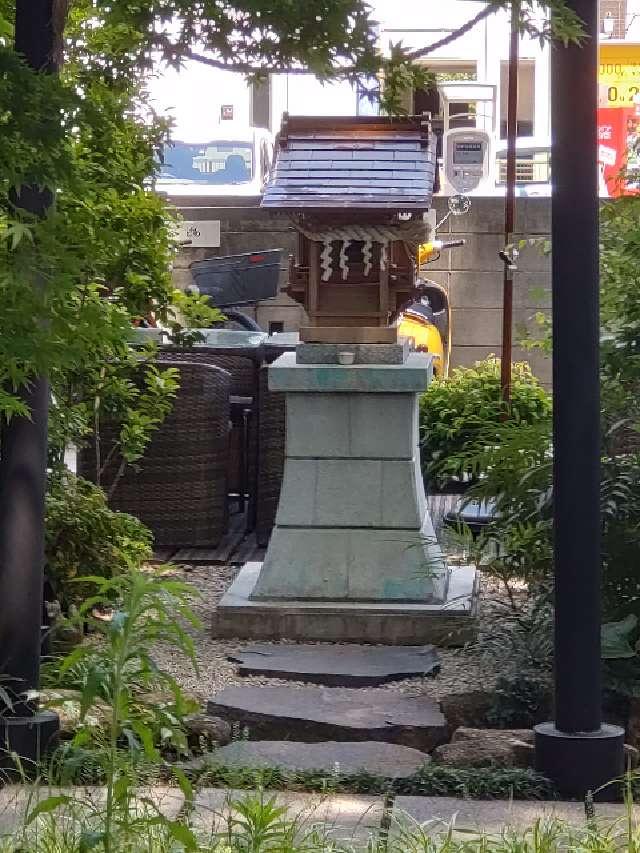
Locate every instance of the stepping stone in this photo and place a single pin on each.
(386, 760)
(313, 714)
(338, 665)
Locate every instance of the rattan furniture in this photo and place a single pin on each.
(242, 364)
(271, 435)
(179, 488)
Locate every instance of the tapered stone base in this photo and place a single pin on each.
(352, 522)
(353, 556)
(451, 623)
(354, 564)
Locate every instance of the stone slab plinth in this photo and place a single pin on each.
(411, 377)
(352, 531)
(352, 522)
(337, 665)
(357, 493)
(363, 353)
(328, 425)
(313, 714)
(452, 623)
(353, 564)
(383, 760)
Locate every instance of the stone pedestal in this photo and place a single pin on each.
(352, 523)
(353, 555)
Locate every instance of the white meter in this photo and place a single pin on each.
(467, 154)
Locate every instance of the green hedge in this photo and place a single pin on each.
(466, 409)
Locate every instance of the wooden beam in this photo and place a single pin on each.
(314, 280)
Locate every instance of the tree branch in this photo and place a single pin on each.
(454, 35)
(248, 68)
(350, 71)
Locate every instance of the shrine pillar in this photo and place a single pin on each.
(352, 523)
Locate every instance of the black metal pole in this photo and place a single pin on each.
(577, 751)
(510, 202)
(23, 451)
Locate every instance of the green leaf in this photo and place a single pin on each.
(183, 834)
(146, 737)
(616, 638)
(6, 700)
(185, 786)
(90, 690)
(47, 806)
(90, 840)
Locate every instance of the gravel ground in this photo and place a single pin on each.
(459, 670)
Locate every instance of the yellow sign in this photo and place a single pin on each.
(619, 78)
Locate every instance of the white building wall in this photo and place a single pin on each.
(633, 20)
(303, 94)
(416, 25)
(194, 95)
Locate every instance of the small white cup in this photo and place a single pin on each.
(346, 357)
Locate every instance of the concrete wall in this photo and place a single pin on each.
(472, 274)
(248, 229)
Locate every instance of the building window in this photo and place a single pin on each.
(428, 100)
(526, 98)
(613, 19)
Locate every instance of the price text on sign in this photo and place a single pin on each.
(619, 94)
(619, 75)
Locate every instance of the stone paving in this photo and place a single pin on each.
(348, 817)
(343, 665)
(312, 714)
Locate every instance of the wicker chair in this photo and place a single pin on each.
(239, 362)
(179, 488)
(243, 365)
(271, 436)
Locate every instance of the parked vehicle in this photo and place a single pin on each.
(428, 318)
(238, 280)
(236, 161)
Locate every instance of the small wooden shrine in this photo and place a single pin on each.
(356, 190)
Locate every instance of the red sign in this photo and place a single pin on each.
(618, 150)
(226, 112)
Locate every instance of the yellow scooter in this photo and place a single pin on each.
(427, 319)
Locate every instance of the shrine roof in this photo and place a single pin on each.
(348, 162)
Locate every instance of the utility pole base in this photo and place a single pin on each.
(30, 739)
(582, 761)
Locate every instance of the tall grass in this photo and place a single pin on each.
(259, 823)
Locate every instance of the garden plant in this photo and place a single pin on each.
(511, 463)
(75, 283)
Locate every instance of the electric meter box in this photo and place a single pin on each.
(467, 153)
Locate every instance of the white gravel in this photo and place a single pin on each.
(459, 670)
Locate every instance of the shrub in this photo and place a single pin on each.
(519, 647)
(432, 780)
(83, 536)
(620, 503)
(516, 475)
(467, 409)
